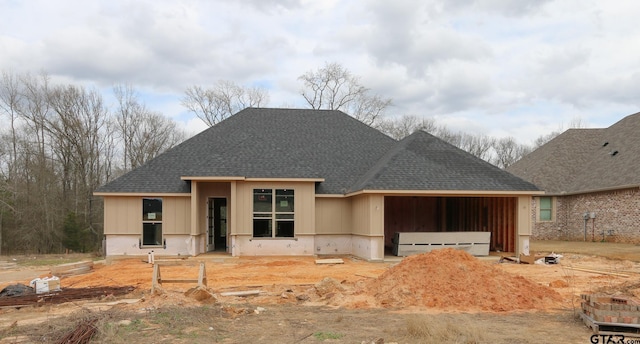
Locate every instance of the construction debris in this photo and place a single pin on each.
(45, 285)
(66, 295)
(601, 272)
(606, 314)
(5, 265)
(16, 290)
(241, 293)
(82, 333)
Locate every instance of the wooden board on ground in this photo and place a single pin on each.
(609, 273)
(241, 293)
(330, 261)
(598, 327)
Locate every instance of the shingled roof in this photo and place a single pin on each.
(318, 144)
(422, 161)
(585, 160)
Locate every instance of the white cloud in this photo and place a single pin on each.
(493, 66)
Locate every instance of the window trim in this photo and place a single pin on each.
(552, 209)
(153, 221)
(274, 216)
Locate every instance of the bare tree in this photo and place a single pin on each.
(155, 135)
(144, 133)
(128, 120)
(57, 146)
(333, 87)
(368, 109)
(406, 125)
(9, 103)
(507, 151)
(224, 99)
(9, 107)
(478, 145)
(575, 123)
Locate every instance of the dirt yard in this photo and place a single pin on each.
(445, 296)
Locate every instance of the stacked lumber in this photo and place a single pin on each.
(5, 265)
(72, 269)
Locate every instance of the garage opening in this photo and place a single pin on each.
(452, 214)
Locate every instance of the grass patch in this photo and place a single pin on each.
(327, 335)
(190, 324)
(444, 329)
(49, 260)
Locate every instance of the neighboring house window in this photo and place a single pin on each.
(273, 213)
(152, 221)
(545, 209)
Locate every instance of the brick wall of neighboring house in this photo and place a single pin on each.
(617, 216)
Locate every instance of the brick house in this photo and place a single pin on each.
(591, 179)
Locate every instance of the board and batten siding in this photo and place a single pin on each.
(304, 198)
(333, 215)
(368, 215)
(176, 215)
(123, 215)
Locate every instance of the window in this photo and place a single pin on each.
(273, 207)
(152, 221)
(545, 209)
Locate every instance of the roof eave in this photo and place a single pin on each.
(144, 194)
(579, 192)
(458, 193)
(248, 179)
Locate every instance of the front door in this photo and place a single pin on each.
(217, 224)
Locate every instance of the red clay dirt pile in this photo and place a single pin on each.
(454, 279)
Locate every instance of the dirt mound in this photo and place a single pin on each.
(454, 279)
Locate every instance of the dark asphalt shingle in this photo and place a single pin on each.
(295, 143)
(422, 161)
(579, 161)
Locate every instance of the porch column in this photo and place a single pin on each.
(232, 227)
(523, 225)
(193, 243)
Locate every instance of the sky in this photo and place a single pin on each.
(500, 68)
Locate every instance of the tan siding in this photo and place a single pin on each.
(376, 226)
(122, 215)
(176, 213)
(524, 220)
(243, 213)
(368, 215)
(304, 205)
(360, 214)
(333, 216)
